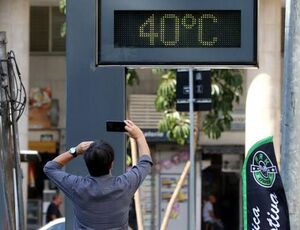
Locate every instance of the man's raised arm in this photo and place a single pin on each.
(136, 133)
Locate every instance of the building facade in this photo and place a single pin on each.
(33, 32)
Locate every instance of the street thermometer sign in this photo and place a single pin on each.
(177, 32)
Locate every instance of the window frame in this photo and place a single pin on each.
(50, 51)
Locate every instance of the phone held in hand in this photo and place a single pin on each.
(115, 126)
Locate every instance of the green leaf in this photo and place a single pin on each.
(62, 6)
(132, 77)
(63, 9)
(63, 29)
(226, 90)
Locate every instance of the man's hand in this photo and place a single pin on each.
(133, 131)
(65, 157)
(82, 147)
(136, 133)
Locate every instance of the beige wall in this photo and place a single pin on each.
(148, 83)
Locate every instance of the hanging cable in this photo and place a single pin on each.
(17, 96)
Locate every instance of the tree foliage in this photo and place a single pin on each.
(132, 77)
(63, 9)
(226, 90)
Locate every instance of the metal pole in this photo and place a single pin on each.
(174, 196)
(137, 195)
(6, 193)
(192, 198)
(290, 145)
(198, 217)
(18, 176)
(10, 153)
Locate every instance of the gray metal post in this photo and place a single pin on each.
(6, 192)
(192, 199)
(15, 147)
(12, 178)
(290, 145)
(94, 94)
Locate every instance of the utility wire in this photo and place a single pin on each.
(18, 97)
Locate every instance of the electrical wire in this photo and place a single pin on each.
(17, 95)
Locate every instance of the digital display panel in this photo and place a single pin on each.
(176, 33)
(169, 29)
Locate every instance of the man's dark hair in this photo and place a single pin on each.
(98, 158)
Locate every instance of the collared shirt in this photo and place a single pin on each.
(207, 209)
(100, 203)
(52, 210)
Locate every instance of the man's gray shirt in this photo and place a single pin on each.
(100, 203)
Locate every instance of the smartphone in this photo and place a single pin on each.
(115, 126)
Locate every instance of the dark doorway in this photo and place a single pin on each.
(225, 186)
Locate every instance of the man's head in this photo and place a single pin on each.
(212, 198)
(98, 158)
(56, 199)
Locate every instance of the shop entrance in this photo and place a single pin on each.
(221, 178)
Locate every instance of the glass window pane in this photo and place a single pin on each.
(39, 29)
(58, 19)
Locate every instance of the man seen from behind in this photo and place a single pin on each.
(101, 201)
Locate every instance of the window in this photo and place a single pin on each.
(45, 25)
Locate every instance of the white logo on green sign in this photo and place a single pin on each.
(263, 170)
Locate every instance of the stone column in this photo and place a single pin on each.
(14, 20)
(264, 84)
